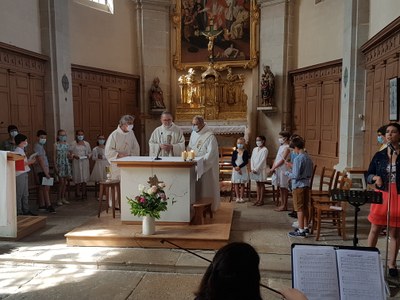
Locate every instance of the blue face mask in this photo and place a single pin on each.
(14, 133)
(195, 128)
(42, 141)
(101, 142)
(380, 139)
(62, 138)
(239, 146)
(80, 137)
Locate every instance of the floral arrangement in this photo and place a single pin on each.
(151, 201)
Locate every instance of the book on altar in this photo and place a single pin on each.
(48, 181)
(338, 272)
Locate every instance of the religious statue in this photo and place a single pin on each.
(210, 47)
(267, 86)
(156, 95)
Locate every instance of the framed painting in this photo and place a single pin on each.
(224, 32)
(393, 99)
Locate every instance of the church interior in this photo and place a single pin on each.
(326, 70)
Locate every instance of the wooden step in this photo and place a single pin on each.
(26, 225)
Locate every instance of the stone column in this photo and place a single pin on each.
(153, 36)
(355, 34)
(276, 33)
(55, 44)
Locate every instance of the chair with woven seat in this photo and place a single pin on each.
(327, 211)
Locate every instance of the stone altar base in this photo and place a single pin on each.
(108, 232)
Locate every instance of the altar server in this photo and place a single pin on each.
(167, 139)
(204, 144)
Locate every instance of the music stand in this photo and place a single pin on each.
(356, 199)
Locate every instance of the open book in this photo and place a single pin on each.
(338, 272)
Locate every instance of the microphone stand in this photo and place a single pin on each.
(206, 259)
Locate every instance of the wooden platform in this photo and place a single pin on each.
(26, 225)
(108, 232)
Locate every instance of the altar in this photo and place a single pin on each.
(178, 175)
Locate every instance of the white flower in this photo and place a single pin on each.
(161, 185)
(141, 188)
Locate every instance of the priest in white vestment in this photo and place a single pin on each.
(204, 144)
(121, 143)
(167, 139)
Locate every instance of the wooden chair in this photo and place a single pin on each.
(327, 211)
(325, 183)
(225, 165)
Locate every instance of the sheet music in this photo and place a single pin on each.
(327, 272)
(315, 272)
(358, 276)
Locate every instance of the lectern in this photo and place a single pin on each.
(178, 175)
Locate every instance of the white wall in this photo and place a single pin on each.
(382, 12)
(20, 24)
(320, 32)
(103, 40)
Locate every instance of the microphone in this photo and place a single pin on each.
(158, 154)
(392, 149)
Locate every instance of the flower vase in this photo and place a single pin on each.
(148, 225)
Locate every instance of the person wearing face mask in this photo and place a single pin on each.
(240, 159)
(259, 168)
(21, 181)
(42, 170)
(62, 165)
(80, 152)
(100, 161)
(281, 180)
(9, 144)
(167, 139)
(121, 143)
(204, 144)
(381, 137)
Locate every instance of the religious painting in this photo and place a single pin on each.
(221, 32)
(393, 99)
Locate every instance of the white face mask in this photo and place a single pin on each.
(130, 127)
(14, 133)
(195, 128)
(259, 143)
(281, 140)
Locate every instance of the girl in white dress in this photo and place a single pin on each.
(101, 162)
(240, 159)
(280, 167)
(80, 152)
(259, 168)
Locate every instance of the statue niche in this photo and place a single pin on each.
(212, 96)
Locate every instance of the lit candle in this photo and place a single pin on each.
(184, 155)
(193, 155)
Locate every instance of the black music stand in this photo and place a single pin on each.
(356, 199)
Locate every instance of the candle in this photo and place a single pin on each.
(184, 155)
(190, 155)
(193, 155)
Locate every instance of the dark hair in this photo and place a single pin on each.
(285, 134)
(397, 125)
(11, 128)
(41, 132)
(19, 138)
(262, 138)
(297, 142)
(382, 130)
(233, 274)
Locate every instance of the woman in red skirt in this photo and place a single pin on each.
(384, 173)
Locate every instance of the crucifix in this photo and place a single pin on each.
(211, 35)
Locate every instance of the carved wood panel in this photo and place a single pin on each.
(316, 106)
(100, 99)
(21, 91)
(382, 53)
